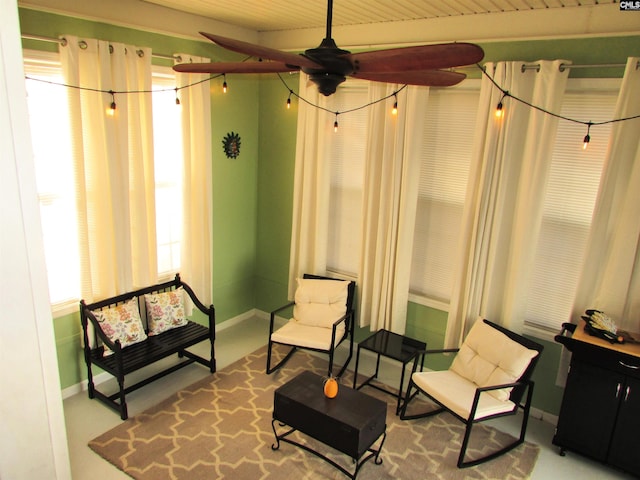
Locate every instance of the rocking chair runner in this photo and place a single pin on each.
(488, 378)
(323, 317)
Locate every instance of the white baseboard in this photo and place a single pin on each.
(544, 416)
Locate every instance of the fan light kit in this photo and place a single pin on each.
(328, 66)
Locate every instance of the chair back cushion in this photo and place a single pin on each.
(489, 357)
(319, 303)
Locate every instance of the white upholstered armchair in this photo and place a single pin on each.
(488, 378)
(323, 317)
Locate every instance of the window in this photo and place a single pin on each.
(346, 155)
(167, 147)
(570, 200)
(49, 122)
(446, 153)
(447, 149)
(445, 159)
(50, 132)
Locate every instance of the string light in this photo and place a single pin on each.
(224, 84)
(587, 137)
(111, 111)
(394, 111)
(112, 106)
(499, 109)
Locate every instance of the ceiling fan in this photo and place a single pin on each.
(328, 66)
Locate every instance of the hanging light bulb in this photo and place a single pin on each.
(335, 124)
(224, 84)
(289, 100)
(111, 111)
(587, 137)
(499, 108)
(394, 111)
(177, 98)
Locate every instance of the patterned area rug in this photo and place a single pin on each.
(220, 427)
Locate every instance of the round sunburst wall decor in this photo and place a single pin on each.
(231, 145)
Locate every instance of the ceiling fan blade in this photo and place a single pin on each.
(234, 67)
(431, 78)
(260, 51)
(423, 57)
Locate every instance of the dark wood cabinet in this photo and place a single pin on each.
(600, 413)
(625, 442)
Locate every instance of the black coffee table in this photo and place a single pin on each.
(350, 423)
(398, 347)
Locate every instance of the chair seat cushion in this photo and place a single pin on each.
(456, 394)
(488, 357)
(296, 333)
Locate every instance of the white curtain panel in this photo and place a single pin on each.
(113, 156)
(505, 195)
(392, 173)
(197, 238)
(610, 280)
(309, 230)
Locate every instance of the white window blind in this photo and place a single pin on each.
(167, 147)
(346, 156)
(445, 159)
(51, 141)
(569, 202)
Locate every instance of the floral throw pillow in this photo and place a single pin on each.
(121, 323)
(165, 310)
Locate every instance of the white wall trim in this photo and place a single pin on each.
(143, 16)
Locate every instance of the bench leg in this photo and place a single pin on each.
(123, 402)
(90, 386)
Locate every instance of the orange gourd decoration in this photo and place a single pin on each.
(330, 387)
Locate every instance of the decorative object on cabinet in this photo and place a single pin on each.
(600, 412)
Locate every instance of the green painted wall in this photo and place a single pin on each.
(275, 188)
(235, 181)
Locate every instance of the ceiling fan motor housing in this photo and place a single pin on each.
(336, 66)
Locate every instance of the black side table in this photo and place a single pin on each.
(391, 345)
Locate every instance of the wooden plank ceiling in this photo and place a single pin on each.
(278, 15)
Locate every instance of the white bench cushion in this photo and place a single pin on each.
(456, 393)
(488, 357)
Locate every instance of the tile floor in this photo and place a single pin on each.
(86, 419)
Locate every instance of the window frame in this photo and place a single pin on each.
(51, 60)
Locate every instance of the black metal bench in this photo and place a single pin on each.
(126, 360)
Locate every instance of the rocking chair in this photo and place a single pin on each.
(488, 379)
(323, 317)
